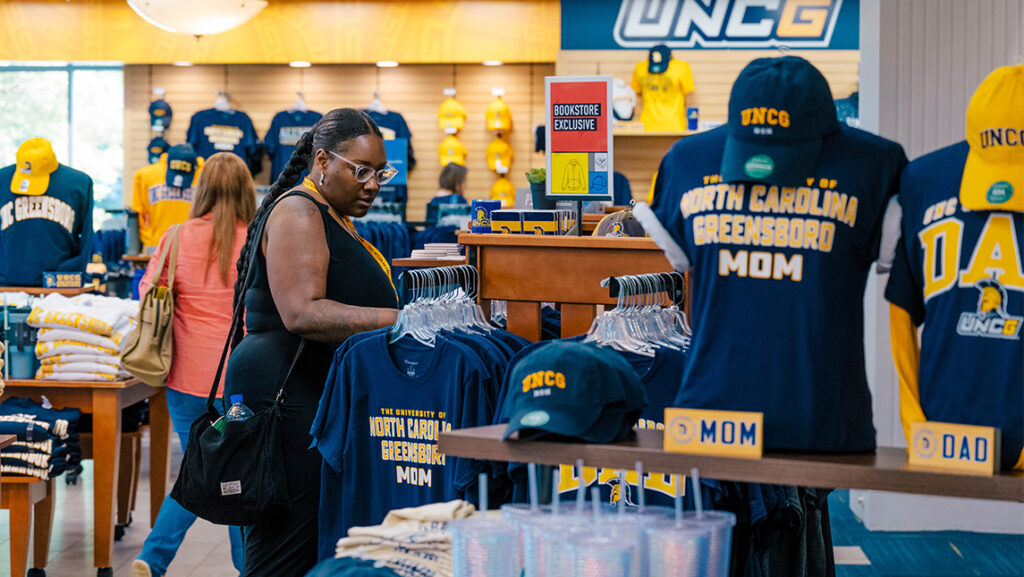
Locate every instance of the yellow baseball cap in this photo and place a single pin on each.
(451, 115)
(504, 191)
(499, 117)
(498, 151)
(35, 163)
(994, 173)
(451, 150)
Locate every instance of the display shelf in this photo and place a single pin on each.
(527, 270)
(631, 131)
(137, 258)
(122, 384)
(886, 470)
(425, 262)
(7, 440)
(40, 291)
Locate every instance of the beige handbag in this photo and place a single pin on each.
(147, 350)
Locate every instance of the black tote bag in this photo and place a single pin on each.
(233, 473)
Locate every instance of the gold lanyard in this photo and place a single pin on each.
(347, 223)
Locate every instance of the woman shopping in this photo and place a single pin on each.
(208, 245)
(316, 282)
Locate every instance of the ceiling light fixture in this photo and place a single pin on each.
(197, 17)
(387, 64)
(493, 62)
(182, 63)
(299, 64)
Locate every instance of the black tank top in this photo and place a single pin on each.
(353, 278)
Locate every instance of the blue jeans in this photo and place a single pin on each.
(173, 521)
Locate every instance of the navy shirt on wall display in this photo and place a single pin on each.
(285, 130)
(211, 131)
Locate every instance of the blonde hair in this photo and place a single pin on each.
(226, 189)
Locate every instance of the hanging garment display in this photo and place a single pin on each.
(662, 83)
(958, 273)
(792, 230)
(45, 216)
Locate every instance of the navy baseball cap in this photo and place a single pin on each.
(780, 110)
(156, 147)
(159, 114)
(657, 59)
(573, 391)
(181, 166)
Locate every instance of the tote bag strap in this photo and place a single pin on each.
(171, 246)
(236, 316)
(172, 265)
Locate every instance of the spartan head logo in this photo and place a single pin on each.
(992, 300)
(621, 492)
(991, 319)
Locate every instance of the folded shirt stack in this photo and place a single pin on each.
(80, 338)
(411, 542)
(48, 441)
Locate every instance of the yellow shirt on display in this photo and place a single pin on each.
(664, 95)
(159, 206)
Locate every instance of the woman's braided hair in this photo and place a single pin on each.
(333, 132)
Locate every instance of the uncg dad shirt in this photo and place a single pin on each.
(778, 283)
(960, 274)
(377, 428)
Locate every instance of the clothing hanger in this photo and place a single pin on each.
(300, 103)
(376, 105)
(221, 103)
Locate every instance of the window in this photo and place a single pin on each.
(79, 108)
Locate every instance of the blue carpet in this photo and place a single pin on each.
(923, 554)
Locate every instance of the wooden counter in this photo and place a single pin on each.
(526, 270)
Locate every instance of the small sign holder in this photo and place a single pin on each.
(967, 449)
(579, 140)
(733, 434)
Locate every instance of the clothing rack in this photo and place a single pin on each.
(672, 284)
(439, 282)
(382, 211)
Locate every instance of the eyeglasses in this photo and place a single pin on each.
(363, 173)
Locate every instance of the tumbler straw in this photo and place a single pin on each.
(622, 489)
(555, 480)
(679, 500)
(698, 499)
(642, 502)
(531, 471)
(595, 497)
(483, 491)
(581, 493)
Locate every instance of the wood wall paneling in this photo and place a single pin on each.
(714, 72)
(416, 91)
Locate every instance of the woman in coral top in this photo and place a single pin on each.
(209, 244)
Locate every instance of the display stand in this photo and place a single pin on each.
(104, 401)
(425, 262)
(886, 470)
(41, 292)
(529, 270)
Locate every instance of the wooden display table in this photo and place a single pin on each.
(104, 401)
(887, 470)
(40, 291)
(529, 270)
(425, 262)
(137, 259)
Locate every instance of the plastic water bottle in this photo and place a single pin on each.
(237, 411)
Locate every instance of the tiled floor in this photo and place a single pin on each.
(205, 552)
